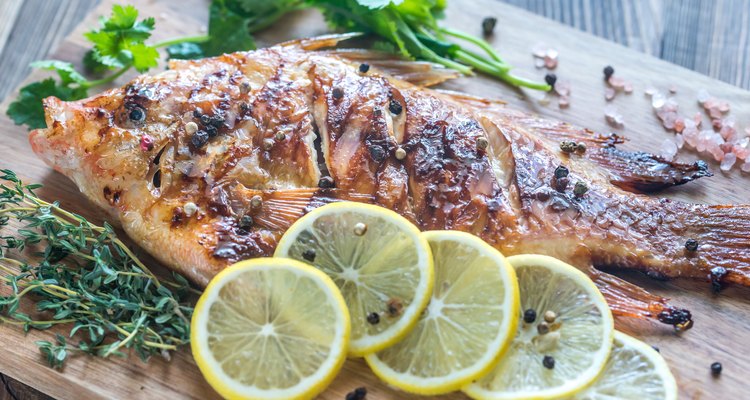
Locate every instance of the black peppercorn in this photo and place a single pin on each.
(716, 369)
(655, 348)
(551, 79)
(395, 107)
(608, 72)
(488, 25)
(561, 172)
(337, 93)
(373, 318)
(205, 119)
(377, 153)
(529, 316)
(246, 222)
(357, 394)
(691, 245)
(717, 276)
(309, 255)
(199, 139)
(363, 68)
(326, 182)
(548, 362)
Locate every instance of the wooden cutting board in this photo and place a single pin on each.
(722, 322)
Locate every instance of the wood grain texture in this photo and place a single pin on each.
(722, 322)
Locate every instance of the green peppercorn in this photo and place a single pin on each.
(568, 146)
(580, 189)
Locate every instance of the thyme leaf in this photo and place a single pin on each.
(81, 276)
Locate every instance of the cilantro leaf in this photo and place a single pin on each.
(92, 65)
(67, 72)
(119, 42)
(228, 30)
(27, 108)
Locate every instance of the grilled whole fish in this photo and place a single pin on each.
(211, 161)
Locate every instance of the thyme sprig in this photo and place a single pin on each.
(81, 275)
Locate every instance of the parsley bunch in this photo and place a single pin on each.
(119, 44)
(83, 277)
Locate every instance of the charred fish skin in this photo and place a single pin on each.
(212, 160)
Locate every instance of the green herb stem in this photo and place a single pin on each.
(188, 39)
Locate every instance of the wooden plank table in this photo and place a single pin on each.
(722, 322)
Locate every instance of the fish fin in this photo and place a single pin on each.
(418, 73)
(723, 236)
(628, 300)
(319, 42)
(641, 172)
(279, 209)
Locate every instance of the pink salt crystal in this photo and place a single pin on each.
(668, 149)
(658, 100)
(728, 162)
(726, 147)
(616, 82)
(609, 93)
(709, 103)
(728, 133)
(741, 149)
(539, 63)
(552, 53)
(691, 136)
(564, 102)
(714, 113)
(724, 107)
(717, 153)
(550, 63)
(703, 140)
(669, 120)
(716, 123)
(745, 167)
(673, 89)
(679, 141)
(628, 88)
(671, 104)
(651, 91)
(562, 88)
(698, 119)
(679, 124)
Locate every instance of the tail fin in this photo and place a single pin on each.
(721, 250)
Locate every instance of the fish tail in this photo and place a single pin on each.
(628, 300)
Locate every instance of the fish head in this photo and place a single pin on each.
(196, 132)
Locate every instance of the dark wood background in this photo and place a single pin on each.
(710, 37)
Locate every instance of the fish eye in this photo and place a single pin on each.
(136, 113)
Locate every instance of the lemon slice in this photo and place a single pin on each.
(468, 324)
(379, 261)
(634, 371)
(558, 356)
(270, 329)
